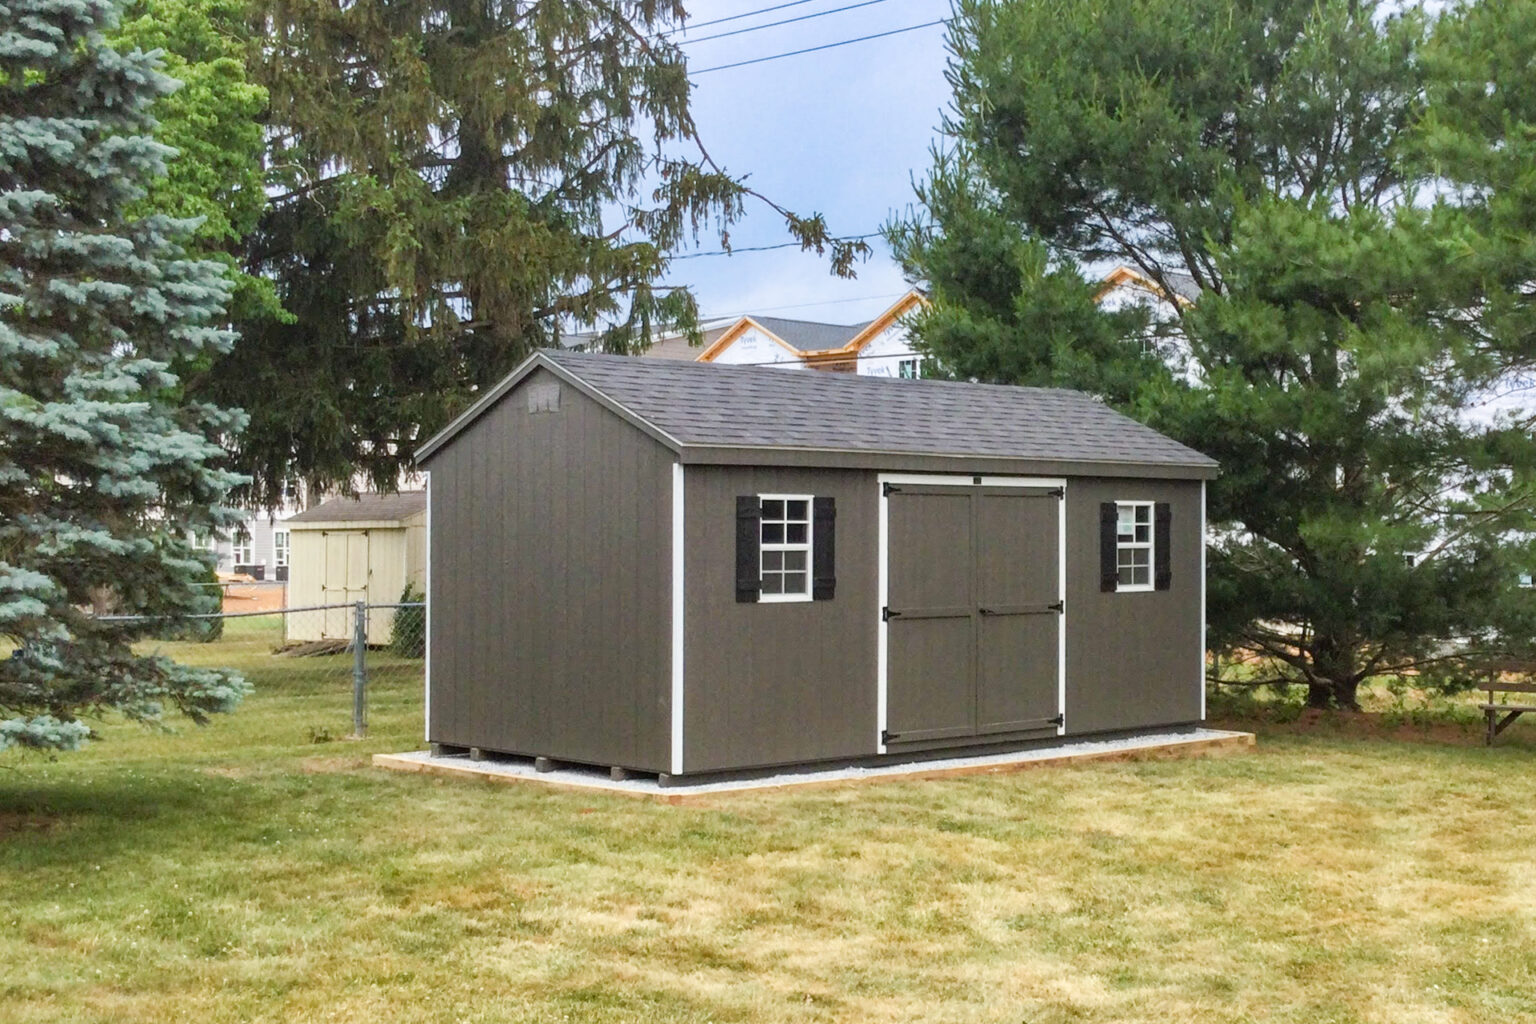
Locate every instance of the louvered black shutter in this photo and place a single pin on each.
(823, 548)
(1109, 565)
(749, 578)
(1162, 547)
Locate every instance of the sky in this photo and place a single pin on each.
(841, 132)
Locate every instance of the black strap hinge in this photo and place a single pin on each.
(1059, 606)
(1058, 720)
(886, 614)
(886, 490)
(887, 736)
(1057, 492)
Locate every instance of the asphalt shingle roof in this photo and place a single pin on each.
(810, 335)
(365, 508)
(762, 407)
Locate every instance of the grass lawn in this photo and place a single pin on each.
(244, 872)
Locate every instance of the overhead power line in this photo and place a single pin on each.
(736, 17)
(776, 24)
(815, 49)
(765, 248)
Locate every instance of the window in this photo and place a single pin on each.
(245, 551)
(1527, 581)
(910, 369)
(785, 547)
(279, 548)
(1133, 545)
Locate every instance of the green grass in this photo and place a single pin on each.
(242, 872)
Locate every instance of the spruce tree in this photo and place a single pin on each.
(1293, 158)
(456, 183)
(104, 466)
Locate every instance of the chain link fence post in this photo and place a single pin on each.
(360, 670)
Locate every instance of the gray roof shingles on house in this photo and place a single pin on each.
(370, 508)
(698, 406)
(811, 335)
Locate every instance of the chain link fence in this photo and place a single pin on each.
(345, 650)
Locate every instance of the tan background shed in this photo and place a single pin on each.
(354, 549)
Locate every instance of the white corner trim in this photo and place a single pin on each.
(426, 715)
(678, 594)
(1203, 541)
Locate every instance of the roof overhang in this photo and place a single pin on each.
(354, 524)
(729, 455)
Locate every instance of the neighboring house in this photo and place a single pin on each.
(879, 348)
(347, 550)
(727, 569)
(259, 547)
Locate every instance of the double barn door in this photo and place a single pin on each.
(973, 612)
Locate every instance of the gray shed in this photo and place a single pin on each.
(680, 568)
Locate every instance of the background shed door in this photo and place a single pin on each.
(345, 581)
(972, 627)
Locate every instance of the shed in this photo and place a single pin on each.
(347, 550)
(681, 568)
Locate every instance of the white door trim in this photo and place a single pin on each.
(882, 639)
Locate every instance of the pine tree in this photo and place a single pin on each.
(104, 466)
(1369, 519)
(456, 183)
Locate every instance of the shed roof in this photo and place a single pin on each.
(697, 408)
(365, 508)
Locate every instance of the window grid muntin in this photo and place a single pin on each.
(243, 552)
(1133, 545)
(280, 548)
(784, 547)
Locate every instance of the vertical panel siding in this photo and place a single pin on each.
(777, 683)
(1132, 658)
(550, 557)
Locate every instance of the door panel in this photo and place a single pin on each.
(335, 623)
(930, 638)
(1018, 544)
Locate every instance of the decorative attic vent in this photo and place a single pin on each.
(543, 398)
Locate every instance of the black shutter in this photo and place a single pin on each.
(1162, 548)
(749, 534)
(1109, 560)
(823, 548)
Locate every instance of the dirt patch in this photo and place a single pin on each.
(331, 765)
(225, 771)
(255, 597)
(19, 823)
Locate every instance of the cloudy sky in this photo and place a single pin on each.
(841, 132)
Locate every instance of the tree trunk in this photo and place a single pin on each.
(1335, 680)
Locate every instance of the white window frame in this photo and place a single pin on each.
(1149, 545)
(240, 547)
(763, 547)
(917, 367)
(282, 546)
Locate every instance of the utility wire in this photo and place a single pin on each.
(815, 49)
(765, 248)
(775, 24)
(736, 17)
